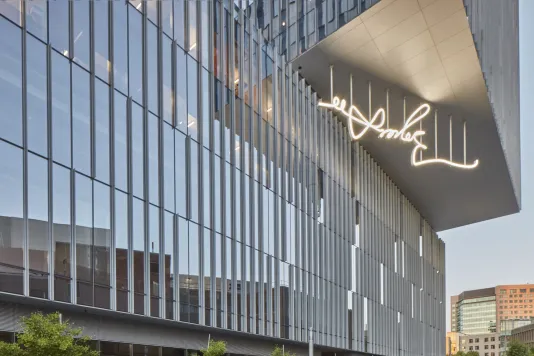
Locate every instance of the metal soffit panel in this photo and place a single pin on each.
(422, 50)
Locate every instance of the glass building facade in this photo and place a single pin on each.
(162, 158)
(476, 315)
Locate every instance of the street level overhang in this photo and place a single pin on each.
(421, 50)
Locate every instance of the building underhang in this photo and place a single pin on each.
(421, 50)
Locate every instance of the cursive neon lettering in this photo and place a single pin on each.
(376, 124)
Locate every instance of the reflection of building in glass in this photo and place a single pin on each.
(167, 174)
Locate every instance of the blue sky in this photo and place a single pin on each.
(501, 251)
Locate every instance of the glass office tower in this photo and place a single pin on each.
(161, 161)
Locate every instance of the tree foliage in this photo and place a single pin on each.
(516, 348)
(46, 335)
(470, 353)
(215, 348)
(278, 351)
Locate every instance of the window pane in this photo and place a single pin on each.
(206, 188)
(102, 245)
(120, 142)
(192, 21)
(81, 32)
(183, 263)
(81, 127)
(84, 255)
(152, 66)
(61, 108)
(37, 96)
(121, 249)
(181, 91)
(38, 240)
(205, 32)
(11, 224)
(36, 16)
(101, 28)
(12, 10)
(170, 260)
(10, 79)
(192, 98)
(153, 159)
(167, 22)
(62, 233)
(102, 130)
(179, 22)
(120, 46)
(180, 167)
(59, 25)
(207, 274)
(167, 77)
(168, 167)
(139, 255)
(152, 11)
(135, 35)
(206, 108)
(217, 194)
(194, 266)
(138, 165)
(193, 181)
(155, 253)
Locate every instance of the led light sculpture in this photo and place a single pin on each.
(379, 123)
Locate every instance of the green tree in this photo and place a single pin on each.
(44, 335)
(215, 348)
(278, 351)
(516, 348)
(470, 353)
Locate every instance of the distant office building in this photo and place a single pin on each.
(506, 327)
(514, 302)
(475, 312)
(484, 344)
(524, 334)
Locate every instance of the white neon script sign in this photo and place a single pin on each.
(405, 134)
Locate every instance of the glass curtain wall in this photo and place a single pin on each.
(184, 173)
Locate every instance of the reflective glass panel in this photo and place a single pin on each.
(153, 159)
(81, 34)
(139, 255)
(193, 28)
(181, 90)
(11, 223)
(61, 200)
(37, 96)
(170, 261)
(84, 251)
(168, 93)
(180, 166)
(194, 185)
(152, 66)
(36, 18)
(179, 28)
(38, 238)
(101, 35)
(206, 188)
(10, 79)
(138, 162)
(192, 98)
(121, 250)
(120, 142)
(12, 10)
(167, 23)
(102, 245)
(194, 270)
(61, 110)
(155, 253)
(81, 120)
(168, 167)
(59, 25)
(101, 110)
(135, 57)
(120, 46)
